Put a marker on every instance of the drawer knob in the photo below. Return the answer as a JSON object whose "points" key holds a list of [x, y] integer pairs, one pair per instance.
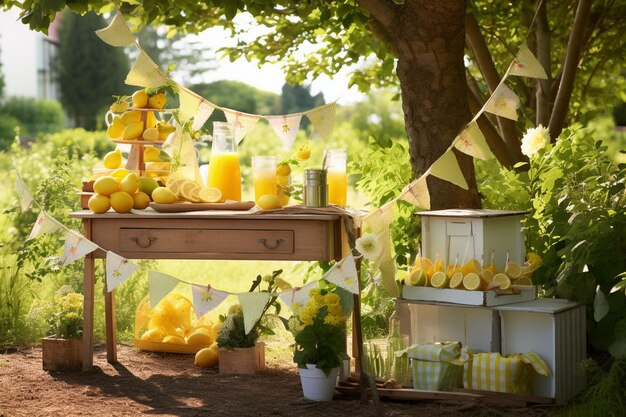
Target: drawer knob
{"points": [[151, 239], [266, 245]]}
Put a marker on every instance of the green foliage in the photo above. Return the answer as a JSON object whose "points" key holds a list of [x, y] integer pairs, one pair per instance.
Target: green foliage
{"points": [[9, 126], [35, 116], [63, 314], [90, 71], [82, 143]]}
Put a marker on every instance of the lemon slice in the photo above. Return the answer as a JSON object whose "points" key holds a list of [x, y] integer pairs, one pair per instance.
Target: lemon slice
{"points": [[175, 186], [523, 280], [417, 278], [472, 282], [502, 281], [194, 195], [457, 280], [513, 270], [439, 280], [210, 195], [187, 188], [487, 275], [423, 263], [473, 266]]}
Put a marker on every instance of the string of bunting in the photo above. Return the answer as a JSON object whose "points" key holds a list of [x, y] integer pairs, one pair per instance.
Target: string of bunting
{"points": [[145, 73]]}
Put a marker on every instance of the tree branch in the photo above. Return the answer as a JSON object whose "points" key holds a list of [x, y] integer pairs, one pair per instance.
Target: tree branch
{"points": [[572, 55], [544, 87], [379, 10]]}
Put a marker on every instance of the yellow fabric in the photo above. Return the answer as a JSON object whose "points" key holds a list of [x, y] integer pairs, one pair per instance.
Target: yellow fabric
{"points": [[526, 64], [436, 366], [447, 168], [323, 119], [472, 142], [189, 103], [381, 218], [417, 193], [117, 33], [503, 102], [145, 73]]}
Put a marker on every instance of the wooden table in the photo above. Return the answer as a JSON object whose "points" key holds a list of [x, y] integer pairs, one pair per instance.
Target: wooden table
{"points": [[202, 235]]}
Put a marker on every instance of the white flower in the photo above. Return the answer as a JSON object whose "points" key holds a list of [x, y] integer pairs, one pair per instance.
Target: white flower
{"points": [[369, 246], [534, 140]]}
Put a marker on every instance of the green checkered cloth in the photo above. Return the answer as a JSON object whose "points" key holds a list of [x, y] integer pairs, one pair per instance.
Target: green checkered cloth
{"points": [[437, 366]]}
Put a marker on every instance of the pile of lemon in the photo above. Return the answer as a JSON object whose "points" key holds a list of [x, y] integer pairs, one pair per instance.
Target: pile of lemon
{"points": [[472, 276], [122, 191]]}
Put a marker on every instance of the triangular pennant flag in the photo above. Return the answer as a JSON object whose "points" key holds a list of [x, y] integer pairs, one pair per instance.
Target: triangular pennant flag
{"points": [[388, 276], [380, 219], [472, 142], [26, 199], [76, 246], [117, 33], [189, 103], [298, 295], [44, 224], [252, 305], [526, 64], [344, 274], [206, 298], [145, 73], [447, 168], [159, 285], [323, 119], [417, 193], [384, 240], [503, 102], [286, 127], [241, 123], [205, 109], [118, 270]]}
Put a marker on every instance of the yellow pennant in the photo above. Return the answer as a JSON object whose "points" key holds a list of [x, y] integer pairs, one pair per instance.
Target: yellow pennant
{"points": [[388, 276], [242, 123], [205, 109], [189, 103], [26, 199], [76, 246], [344, 274], [118, 270], [297, 295], [323, 119], [117, 33], [472, 142], [417, 193], [159, 285], [503, 102], [526, 64], [252, 305], [145, 73], [44, 224], [447, 168], [380, 219], [206, 299]]}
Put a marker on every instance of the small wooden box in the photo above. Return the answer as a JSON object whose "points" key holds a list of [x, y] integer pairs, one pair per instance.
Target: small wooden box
{"points": [[61, 354], [245, 361]]}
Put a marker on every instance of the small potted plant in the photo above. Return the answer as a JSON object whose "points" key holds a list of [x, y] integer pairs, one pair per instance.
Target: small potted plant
{"points": [[242, 353], [62, 349], [319, 329]]}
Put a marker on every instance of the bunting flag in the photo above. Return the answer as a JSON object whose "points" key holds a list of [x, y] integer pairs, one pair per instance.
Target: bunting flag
{"points": [[380, 219], [189, 103], [323, 119], [344, 274], [384, 240], [206, 298], [286, 127], [388, 276], [252, 305], [297, 295], [503, 102], [44, 224], [145, 73], [242, 123], [526, 64], [117, 33], [447, 168], [26, 199], [471, 141], [205, 109], [417, 193], [159, 285], [118, 270], [76, 246]]}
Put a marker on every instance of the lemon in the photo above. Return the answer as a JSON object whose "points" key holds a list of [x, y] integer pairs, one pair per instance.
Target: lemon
{"points": [[502, 281], [147, 185], [473, 266], [215, 347], [456, 281], [513, 270], [151, 121], [140, 200], [283, 169], [418, 278], [130, 183], [120, 173], [206, 358], [453, 269], [150, 134], [423, 263], [210, 195], [439, 266], [120, 106], [162, 195], [116, 128], [200, 337], [151, 154], [303, 154], [157, 101], [492, 268], [122, 202], [153, 335], [439, 280], [99, 203], [112, 159], [106, 185], [174, 339], [165, 129], [283, 196], [140, 99], [487, 276], [282, 180], [133, 131], [472, 282], [523, 280], [130, 117], [269, 202]]}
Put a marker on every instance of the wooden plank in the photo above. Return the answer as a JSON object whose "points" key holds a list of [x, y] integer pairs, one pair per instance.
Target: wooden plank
{"points": [[527, 398], [411, 394], [183, 207], [88, 304], [214, 215], [110, 327]]}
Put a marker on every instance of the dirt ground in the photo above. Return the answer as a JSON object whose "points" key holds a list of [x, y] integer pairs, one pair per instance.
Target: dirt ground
{"points": [[170, 385]]}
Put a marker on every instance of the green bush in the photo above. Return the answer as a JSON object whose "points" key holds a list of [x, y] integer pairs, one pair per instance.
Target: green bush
{"points": [[81, 142], [36, 116], [8, 126]]}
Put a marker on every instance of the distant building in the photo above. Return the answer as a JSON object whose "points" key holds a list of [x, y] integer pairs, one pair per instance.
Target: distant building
{"points": [[27, 58]]}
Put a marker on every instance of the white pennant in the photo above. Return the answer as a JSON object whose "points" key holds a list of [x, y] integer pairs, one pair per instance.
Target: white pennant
{"points": [[323, 119], [117, 33], [44, 224], [503, 102], [26, 199], [206, 299], [189, 103], [447, 168], [145, 73], [344, 274], [252, 305], [526, 64], [118, 270], [417, 193], [380, 219], [388, 276], [159, 285], [471, 141], [384, 240], [286, 127], [205, 109], [76, 246], [241, 123], [298, 295]]}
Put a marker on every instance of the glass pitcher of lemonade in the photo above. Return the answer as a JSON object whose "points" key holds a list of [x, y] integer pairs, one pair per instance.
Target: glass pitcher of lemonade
{"points": [[335, 163], [224, 172]]}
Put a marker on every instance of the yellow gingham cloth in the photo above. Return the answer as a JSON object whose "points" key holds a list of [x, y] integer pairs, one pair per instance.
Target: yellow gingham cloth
{"points": [[493, 372], [436, 366]]}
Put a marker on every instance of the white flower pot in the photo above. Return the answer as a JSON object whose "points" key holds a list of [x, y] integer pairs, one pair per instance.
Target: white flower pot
{"points": [[316, 385]]}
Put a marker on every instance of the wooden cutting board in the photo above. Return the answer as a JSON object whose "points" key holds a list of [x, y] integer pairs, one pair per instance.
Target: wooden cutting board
{"points": [[188, 206]]}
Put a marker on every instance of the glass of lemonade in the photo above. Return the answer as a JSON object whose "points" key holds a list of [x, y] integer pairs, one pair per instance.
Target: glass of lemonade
{"points": [[263, 176], [335, 163]]}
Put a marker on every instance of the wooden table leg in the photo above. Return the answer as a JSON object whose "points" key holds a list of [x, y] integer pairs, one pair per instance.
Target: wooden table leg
{"points": [[109, 314], [88, 314]]}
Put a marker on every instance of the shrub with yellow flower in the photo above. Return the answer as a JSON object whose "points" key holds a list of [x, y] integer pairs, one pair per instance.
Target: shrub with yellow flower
{"points": [[63, 314]]}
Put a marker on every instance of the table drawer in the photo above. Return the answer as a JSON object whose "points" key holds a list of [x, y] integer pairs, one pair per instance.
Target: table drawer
{"points": [[213, 241]]}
